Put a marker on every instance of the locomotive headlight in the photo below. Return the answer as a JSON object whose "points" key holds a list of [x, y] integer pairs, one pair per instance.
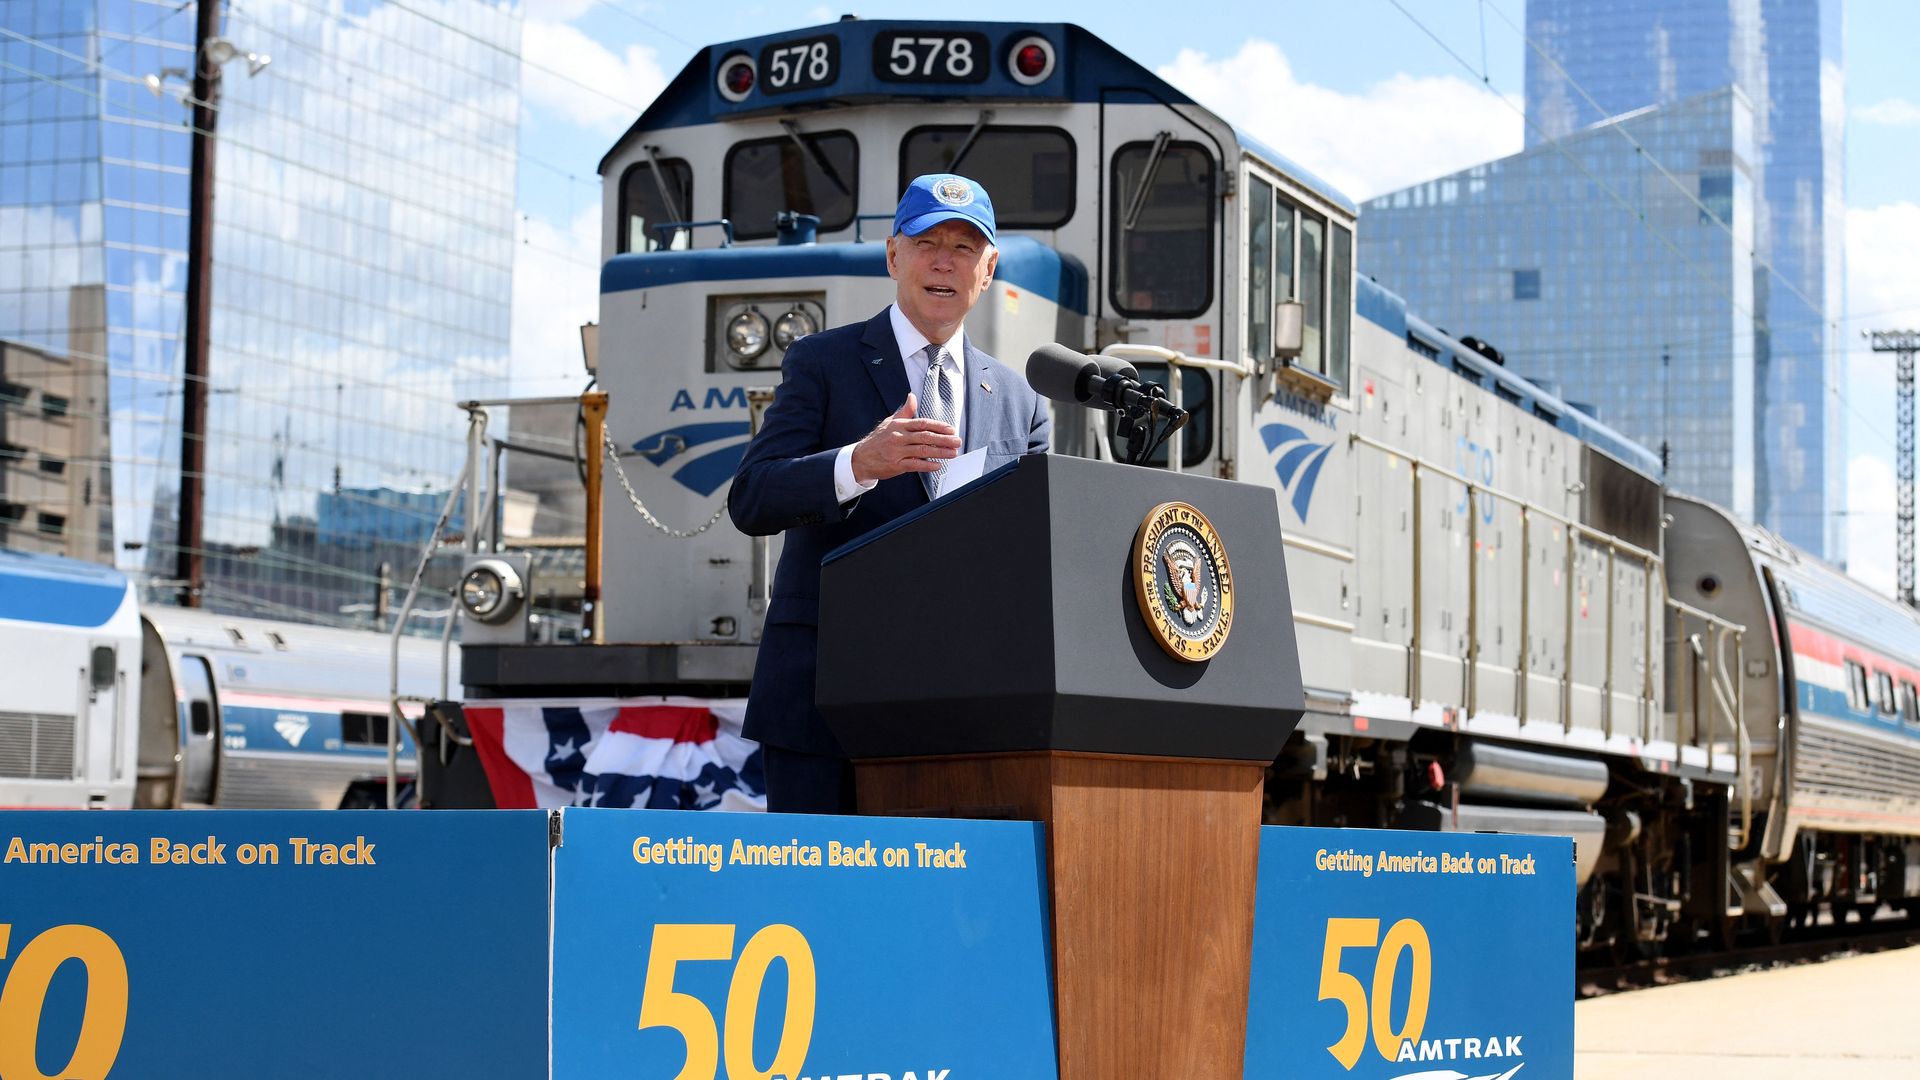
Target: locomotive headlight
{"points": [[747, 334], [791, 327], [491, 591]]}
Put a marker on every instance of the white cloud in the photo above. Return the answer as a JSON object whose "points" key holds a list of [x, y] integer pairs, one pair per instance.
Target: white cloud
{"points": [[556, 288], [1883, 292], [1399, 131], [1870, 522], [1893, 112], [621, 85], [1883, 277]]}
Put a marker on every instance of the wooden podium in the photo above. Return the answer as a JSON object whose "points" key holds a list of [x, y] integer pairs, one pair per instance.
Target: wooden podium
{"points": [[1039, 691]]}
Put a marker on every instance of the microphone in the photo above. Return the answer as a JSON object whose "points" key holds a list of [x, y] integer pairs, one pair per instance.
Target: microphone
{"points": [[1098, 382]]}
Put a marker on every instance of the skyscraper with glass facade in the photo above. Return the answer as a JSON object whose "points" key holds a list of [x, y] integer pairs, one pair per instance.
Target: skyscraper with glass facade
{"points": [[1542, 255], [1589, 61], [363, 246]]}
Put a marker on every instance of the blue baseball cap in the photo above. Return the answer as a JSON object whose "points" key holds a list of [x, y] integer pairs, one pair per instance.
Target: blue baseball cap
{"points": [[938, 197]]}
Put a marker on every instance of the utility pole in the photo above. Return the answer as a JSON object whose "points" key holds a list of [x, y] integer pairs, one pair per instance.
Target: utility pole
{"points": [[188, 564], [1903, 343]]}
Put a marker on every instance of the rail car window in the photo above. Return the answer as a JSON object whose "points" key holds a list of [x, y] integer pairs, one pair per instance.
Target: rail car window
{"points": [[1909, 703], [1259, 269], [1028, 170], [1859, 698], [811, 173], [1196, 393], [649, 198], [1161, 261], [1885, 698], [363, 729], [1313, 233], [1339, 306], [1293, 254]]}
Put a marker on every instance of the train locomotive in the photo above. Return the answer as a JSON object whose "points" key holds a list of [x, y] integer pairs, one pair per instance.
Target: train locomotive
{"points": [[1505, 619]]}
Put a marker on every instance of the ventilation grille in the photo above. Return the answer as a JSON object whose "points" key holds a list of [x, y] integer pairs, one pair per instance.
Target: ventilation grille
{"points": [[36, 746], [1828, 763]]}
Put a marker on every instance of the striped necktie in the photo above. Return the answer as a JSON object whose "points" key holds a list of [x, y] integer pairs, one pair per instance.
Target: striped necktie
{"points": [[936, 403]]}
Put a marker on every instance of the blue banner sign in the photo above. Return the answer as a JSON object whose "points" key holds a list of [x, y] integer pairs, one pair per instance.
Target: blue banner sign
{"points": [[279, 943], [690, 946], [1383, 955]]}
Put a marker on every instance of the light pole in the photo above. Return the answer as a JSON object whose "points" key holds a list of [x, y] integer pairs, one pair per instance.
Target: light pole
{"points": [[211, 52]]}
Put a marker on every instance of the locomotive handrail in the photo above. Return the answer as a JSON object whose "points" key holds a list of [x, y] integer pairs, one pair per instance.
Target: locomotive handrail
{"points": [[665, 227], [1615, 546], [468, 482], [1339, 554], [1176, 440], [477, 425], [859, 236], [1722, 702]]}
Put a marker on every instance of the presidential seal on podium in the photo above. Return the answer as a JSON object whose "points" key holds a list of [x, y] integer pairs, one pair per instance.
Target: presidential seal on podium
{"points": [[1183, 581]]}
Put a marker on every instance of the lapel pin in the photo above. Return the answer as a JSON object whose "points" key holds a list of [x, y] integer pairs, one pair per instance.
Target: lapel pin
{"points": [[875, 361], [987, 388]]}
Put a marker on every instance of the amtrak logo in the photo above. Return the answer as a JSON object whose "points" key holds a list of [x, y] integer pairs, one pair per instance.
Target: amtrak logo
{"points": [[712, 451], [292, 727], [1450, 1074], [953, 191], [1299, 463]]}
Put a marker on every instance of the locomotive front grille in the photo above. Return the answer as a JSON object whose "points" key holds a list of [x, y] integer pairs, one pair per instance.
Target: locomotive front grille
{"points": [[36, 746]]}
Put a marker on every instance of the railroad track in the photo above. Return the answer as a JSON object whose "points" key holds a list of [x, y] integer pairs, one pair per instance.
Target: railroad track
{"points": [[1818, 944]]}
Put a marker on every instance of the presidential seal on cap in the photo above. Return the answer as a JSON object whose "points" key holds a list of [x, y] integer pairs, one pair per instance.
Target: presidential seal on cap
{"points": [[1183, 582], [938, 197]]}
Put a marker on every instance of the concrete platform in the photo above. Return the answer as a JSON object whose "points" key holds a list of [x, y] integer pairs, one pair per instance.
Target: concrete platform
{"points": [[1836, 1020]]}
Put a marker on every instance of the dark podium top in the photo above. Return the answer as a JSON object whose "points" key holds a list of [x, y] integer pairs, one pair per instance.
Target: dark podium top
{"points": [[1003, 619]]}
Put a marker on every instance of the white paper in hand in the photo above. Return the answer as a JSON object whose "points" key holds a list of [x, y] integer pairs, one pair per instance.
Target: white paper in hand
{"points": [[962, 471]]}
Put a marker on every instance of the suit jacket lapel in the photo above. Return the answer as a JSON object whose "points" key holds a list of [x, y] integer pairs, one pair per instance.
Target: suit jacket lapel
{"points": [[883, 363], [889, 373], [980, 426]]}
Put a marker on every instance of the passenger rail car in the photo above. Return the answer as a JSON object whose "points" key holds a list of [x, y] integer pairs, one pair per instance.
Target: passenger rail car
{"points": [[1480, 569], [102, 706], [1831, 713], [273, 715]]}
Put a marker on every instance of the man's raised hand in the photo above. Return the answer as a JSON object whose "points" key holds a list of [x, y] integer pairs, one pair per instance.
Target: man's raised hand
{"points": [[904, 443]]}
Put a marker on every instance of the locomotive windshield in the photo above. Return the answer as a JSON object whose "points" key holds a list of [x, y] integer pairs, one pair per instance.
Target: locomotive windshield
{"points": [[804, 172], [652, 194], [1029, 170], [1162, 224]]}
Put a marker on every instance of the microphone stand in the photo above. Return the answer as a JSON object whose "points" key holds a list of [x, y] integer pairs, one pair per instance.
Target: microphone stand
{"points": [[1145, 419]]}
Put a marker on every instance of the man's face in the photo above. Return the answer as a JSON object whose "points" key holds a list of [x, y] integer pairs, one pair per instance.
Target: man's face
{"points": [[940, 273]]}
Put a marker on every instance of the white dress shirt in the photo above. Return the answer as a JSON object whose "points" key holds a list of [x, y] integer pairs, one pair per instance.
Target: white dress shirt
{"points": [[911, 342]]}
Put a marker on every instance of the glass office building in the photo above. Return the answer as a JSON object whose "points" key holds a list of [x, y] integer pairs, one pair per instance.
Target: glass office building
{"points": [[1646, 327], [363, 247], [1589, 61]]}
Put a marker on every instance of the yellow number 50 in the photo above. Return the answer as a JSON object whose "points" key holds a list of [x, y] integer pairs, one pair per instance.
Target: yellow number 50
{"points": [[103, 1024], [1406, 935], [663, 1006]]}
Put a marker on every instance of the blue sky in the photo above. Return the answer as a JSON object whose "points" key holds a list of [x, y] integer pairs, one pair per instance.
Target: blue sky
{"points": [[1355, 91]]}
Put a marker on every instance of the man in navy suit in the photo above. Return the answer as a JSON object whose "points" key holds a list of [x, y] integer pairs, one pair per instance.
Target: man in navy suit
{"points": [[864, 421]]}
